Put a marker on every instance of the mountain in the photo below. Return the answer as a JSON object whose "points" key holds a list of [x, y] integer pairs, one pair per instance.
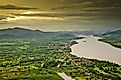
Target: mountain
{"points": [[113, 32], [9, 6], [113, 35], [113, 38], [20, 33]]}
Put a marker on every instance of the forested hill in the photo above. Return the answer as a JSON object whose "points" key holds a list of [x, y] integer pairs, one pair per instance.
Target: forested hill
{"points": [[113, 38], [113, 35], [20, 33]]}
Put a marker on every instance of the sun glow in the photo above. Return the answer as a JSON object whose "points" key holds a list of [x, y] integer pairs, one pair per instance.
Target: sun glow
{"points": [[33, 18]]}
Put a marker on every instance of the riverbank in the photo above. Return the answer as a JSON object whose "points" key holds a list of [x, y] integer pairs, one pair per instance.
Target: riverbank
{"points": [[91, 48], [42, 60], [115, 44]]}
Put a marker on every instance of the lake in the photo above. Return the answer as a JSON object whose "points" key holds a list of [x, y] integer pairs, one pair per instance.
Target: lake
{"points": [[90, 47]]}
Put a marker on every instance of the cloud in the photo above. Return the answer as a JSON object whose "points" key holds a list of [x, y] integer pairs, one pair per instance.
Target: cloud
{"points": [[9, 6], [66, 5], [67, 14], [81, 5], [99, 5]]}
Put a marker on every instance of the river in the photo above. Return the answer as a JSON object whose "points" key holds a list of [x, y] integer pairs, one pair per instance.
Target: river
{"points": [[90, 47]]}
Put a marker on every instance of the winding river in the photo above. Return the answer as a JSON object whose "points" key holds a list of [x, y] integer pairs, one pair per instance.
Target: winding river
{"points": [[90, 47]]}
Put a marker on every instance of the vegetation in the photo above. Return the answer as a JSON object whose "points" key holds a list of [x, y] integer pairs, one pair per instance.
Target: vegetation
{"points": [[79, 38], [42, 59], [113, 38]]}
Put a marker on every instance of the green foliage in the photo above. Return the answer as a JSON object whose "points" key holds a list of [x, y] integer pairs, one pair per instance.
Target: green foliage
{"points": [[42, 59], [113, 38]]}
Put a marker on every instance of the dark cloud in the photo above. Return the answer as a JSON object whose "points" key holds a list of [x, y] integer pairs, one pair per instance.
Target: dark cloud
{"points": [[68, 5], [64, 3], [76, 14], [92, 5]]}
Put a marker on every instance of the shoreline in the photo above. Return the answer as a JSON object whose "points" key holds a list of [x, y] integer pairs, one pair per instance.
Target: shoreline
{"points": [[103, 40], [93, 58]]}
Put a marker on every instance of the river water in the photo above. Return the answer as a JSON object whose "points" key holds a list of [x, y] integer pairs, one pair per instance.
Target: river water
{"points": [[90, 47]]}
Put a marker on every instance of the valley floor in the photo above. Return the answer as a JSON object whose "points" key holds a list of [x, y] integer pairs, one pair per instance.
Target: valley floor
{"points": [[42, 60]]}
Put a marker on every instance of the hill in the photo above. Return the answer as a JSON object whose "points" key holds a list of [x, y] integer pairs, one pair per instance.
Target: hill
{"points": [[113, 38], [113, 35], [20, 33]]}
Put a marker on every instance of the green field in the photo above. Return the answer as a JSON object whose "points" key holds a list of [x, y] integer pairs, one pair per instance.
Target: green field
{"points": [[41, 60]]}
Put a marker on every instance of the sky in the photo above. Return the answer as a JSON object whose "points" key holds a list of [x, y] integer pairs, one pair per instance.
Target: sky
{"points": [[64, 14]]}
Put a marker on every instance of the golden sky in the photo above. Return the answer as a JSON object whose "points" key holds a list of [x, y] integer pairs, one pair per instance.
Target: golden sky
{"points": [[68, 14], [61, 4]]}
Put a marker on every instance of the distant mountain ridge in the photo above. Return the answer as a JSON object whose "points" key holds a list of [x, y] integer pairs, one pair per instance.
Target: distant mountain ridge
{"points": [[112, 35], [21, 33], [112, 32]]}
